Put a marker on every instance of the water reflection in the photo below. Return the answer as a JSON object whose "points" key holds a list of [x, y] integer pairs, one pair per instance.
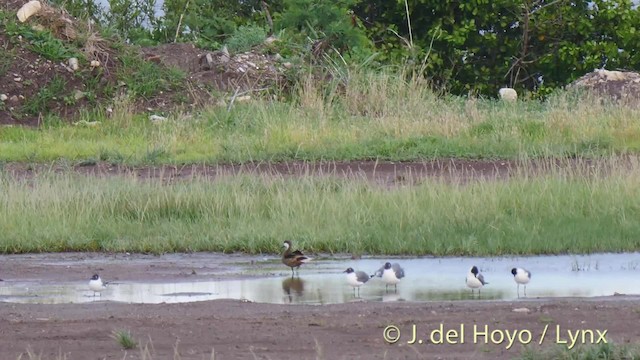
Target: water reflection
{"points": [[295, 285], [324, 282]]}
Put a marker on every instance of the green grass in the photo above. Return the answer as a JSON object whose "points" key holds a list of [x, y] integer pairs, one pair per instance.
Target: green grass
{"points": [[593, 352], [374, 116], [560, 212], [124, 339]]}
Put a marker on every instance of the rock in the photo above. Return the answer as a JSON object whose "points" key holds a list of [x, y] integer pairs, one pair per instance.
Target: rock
{"points": [[508, 94], [243, 98], [616, 85], [3, 97], [157, 119], [17, 79], [521, 310], [206, 62], [73, 64], [270, 40], [29, 9], [287, 65], [14, 99], [78, 95], [95, 63]]}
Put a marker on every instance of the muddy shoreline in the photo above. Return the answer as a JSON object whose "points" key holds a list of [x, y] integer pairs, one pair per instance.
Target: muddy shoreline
{"points": [[235, 329]]}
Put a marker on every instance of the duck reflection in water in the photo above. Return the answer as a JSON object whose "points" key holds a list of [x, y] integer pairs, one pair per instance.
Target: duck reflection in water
{"points": [[293, 285]]}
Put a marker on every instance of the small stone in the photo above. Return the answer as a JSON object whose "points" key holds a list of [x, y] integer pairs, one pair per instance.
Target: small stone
{"points": [[78, 95], [95, 63], [157, 119], [13, 99], [277, 57], [243, 98], [521, 310], [271, 39], [17, 79], [287, 65], [73, 64], [3, 97]]}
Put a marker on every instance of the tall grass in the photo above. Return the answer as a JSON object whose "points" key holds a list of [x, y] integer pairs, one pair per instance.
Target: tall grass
{"points": [[560, 211], [358, 115]]}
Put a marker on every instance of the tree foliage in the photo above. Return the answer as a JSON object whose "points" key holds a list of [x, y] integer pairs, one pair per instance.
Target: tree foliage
{"points": [[481, 45], [473, 46]]}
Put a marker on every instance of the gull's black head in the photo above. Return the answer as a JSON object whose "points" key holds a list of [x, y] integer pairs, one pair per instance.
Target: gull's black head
{"points": [[514, 271], [474, 270], [387, 266], [349, 270], [95, 277]]}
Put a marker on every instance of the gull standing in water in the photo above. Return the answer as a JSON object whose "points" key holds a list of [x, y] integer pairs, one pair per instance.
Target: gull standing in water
{"points": [[356, 279], [521, 277], [97, 285], [390, 274], [475, 280]]}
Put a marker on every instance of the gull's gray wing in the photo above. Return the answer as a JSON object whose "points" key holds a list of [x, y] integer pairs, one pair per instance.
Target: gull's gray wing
{"points": [[362, 276], [398, 270], [481, 278]]}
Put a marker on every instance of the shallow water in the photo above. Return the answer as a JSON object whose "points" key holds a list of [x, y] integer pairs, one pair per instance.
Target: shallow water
{"points": [[322, 282]]}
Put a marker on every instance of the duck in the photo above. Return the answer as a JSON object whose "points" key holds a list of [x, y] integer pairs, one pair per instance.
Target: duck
{"points": [[521, 277], [356, 279], [475, 280], [390, 274], [293, 259], [97, 285]]}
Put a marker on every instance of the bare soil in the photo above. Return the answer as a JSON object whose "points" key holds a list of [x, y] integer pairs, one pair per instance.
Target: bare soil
{"points": [[386, 173], [242, 330]]}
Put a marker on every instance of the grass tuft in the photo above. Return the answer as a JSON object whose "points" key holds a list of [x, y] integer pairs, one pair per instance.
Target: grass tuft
{"points": [[124, 339]]}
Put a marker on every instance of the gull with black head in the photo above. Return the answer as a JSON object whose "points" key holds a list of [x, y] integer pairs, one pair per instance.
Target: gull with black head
{"points": [[521, 277], [390, 274], [475, 280], [97, 285], [356, 279]]}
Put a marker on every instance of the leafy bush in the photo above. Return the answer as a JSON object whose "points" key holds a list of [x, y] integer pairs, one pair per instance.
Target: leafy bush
{"points": [[245, 38]]}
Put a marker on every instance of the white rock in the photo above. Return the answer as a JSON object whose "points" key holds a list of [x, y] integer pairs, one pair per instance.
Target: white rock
{"points": [[508, 94], [521, 310], [28, 9], [270, 39], [17, 79], [95, 63], [157, 119], [3, 97], [73, 64], [287, 65]]}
